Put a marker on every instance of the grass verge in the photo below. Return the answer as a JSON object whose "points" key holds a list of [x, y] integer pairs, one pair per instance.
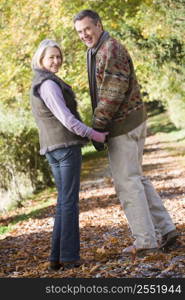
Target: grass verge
{"points": [[33, 207]]}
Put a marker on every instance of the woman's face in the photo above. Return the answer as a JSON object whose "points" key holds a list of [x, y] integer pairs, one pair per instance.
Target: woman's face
{"points": [[52, 59]]}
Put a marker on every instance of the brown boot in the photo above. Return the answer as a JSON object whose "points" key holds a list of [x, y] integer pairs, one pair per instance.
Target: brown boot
{"points": [[169, 239], [140, 252]]}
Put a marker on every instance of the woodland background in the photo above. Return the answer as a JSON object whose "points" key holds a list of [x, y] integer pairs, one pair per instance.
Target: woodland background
{"points": [[152, 30], [154, 33]]}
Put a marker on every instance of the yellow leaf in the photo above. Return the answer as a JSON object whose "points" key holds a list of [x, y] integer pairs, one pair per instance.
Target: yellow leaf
{"points": [[94, 268], [113, 240], [101, 250]]}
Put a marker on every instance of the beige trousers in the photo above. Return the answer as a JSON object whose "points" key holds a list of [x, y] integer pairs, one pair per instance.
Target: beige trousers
{"points": [[142, 205]]}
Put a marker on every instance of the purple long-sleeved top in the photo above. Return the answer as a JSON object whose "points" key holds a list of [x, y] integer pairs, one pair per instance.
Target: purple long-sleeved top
{"points": [[52, 95]]}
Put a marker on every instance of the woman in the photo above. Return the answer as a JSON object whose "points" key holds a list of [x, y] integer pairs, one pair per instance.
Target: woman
{"points": [[61, 136]]}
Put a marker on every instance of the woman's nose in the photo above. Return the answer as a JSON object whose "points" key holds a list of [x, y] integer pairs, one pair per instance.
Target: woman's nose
{"points": [[55, 60]]}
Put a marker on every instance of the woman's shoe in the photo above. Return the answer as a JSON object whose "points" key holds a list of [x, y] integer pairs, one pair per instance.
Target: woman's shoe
{"points": [[72, 264], [54, 266]]}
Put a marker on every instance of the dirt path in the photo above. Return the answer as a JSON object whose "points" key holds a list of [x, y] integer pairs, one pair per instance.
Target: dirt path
{"points": [[104, 229], [165, 169]]}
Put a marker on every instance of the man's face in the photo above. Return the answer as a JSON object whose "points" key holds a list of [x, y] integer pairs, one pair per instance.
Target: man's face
{"points": [[89, 32]]}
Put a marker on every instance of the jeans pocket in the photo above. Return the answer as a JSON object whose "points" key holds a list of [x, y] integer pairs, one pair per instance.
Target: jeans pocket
{"points": [[57, 155], [62, 154]]}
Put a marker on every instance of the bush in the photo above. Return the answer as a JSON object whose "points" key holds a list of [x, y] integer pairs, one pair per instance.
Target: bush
{"points": [[176, 109], [20, 162]]}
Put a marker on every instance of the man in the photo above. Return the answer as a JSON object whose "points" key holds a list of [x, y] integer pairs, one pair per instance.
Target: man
{"points": [[118, 108]]}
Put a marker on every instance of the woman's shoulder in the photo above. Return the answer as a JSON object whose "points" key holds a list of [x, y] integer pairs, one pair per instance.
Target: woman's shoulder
{"points": [[50, 83]]}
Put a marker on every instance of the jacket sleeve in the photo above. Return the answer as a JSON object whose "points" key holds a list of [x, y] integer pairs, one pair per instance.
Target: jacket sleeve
{"points": [[112, 77]]}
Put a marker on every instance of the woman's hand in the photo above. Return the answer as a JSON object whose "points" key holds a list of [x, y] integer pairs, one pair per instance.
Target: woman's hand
{"points": [[98, 136]]}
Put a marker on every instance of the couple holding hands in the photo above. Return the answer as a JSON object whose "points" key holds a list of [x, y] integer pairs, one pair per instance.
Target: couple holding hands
{"points": [[119, 121]]}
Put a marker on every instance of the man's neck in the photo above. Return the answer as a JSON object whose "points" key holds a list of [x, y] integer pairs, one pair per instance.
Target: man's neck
{"points": [[98, 40]]}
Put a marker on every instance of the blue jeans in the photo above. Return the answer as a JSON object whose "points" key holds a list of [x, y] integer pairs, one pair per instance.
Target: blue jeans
{"points": [[66, 165]]}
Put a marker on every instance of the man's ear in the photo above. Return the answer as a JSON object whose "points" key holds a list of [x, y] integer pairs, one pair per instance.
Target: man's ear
{"points": [[99, 25]]}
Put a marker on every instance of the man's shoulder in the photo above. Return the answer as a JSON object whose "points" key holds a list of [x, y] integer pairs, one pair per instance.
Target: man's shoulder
{"points": [[112, 44]]}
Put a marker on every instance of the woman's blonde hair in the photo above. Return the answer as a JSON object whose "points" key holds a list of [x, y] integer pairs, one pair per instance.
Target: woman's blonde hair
{"points": [[40, 52]]}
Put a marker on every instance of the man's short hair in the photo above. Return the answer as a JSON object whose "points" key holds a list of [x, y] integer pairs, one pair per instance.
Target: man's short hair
{"points": [[87, 13]]}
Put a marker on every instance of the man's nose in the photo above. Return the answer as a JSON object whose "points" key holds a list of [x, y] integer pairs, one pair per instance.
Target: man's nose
{"points": [[84, 34]]}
